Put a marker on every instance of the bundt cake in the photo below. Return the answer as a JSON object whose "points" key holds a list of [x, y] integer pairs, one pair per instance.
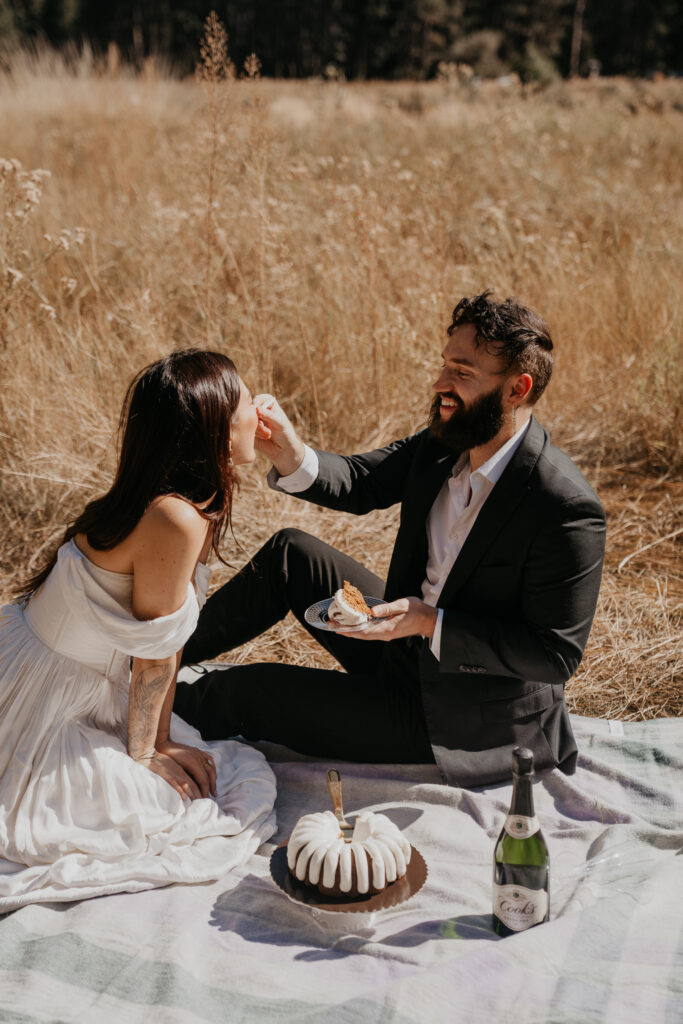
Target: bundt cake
{"points": [[320, 854]]}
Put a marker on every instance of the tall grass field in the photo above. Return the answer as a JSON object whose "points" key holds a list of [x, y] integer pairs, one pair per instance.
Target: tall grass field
{"points": [[320, 233]]}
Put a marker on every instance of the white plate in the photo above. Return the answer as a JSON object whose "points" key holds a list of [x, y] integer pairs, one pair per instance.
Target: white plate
{"points": [[316, 616]]}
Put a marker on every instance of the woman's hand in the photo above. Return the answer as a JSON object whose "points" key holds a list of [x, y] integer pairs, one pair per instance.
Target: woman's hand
{"points": [[171, 772], [197, 764], [276, 437]]}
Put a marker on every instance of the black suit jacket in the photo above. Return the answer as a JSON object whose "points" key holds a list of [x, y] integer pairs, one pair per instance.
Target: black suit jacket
{"points": [[518, 603]]}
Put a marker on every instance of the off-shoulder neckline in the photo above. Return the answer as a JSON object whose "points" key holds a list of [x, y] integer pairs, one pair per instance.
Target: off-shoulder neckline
{"points": [[111, 572], [100, 568]]}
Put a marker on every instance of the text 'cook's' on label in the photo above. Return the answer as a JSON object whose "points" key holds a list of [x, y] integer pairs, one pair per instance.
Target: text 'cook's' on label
{"points": [[519, 827], [519, 908]]}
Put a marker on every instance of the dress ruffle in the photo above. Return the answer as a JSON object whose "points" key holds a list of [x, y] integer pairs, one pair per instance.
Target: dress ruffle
{"points": [[102, 611], [79, 817]]}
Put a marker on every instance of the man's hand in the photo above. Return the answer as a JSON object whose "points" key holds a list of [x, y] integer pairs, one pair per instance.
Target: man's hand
{"points": [[276, 437], [409, 616]]}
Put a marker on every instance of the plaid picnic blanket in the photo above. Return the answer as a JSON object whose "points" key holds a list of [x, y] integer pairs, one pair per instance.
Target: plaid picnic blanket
{"points": [[241, 950]]}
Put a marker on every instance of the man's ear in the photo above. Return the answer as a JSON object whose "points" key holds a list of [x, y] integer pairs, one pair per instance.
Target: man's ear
{"points": [[520, 388]]}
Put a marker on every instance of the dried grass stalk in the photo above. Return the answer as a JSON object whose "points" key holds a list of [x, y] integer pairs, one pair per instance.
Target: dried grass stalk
{"points": [[321, 234]]}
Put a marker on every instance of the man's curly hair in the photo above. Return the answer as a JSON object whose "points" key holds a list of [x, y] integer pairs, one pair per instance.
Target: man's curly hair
{"points": [[512, 332]]}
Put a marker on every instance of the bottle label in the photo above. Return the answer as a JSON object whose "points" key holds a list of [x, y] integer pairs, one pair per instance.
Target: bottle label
{"points": [[519, 908], [519, 827]]}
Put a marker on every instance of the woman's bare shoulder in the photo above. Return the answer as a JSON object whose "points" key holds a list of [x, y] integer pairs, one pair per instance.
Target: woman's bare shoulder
{"points": [[169, 518], [166, 545], [169, 508]]}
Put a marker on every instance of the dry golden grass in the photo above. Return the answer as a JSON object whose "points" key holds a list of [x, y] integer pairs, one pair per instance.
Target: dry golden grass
{"points": [[321, 234]]}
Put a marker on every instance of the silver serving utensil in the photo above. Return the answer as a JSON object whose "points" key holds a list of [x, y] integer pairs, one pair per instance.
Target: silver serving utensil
{"points": [[335, 786]]}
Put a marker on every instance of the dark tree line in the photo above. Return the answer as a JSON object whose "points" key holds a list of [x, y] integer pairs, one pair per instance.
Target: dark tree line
{"points": [[373, 38]]}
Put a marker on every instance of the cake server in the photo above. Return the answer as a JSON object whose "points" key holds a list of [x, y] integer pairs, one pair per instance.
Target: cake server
{"points": [[335, 786]]}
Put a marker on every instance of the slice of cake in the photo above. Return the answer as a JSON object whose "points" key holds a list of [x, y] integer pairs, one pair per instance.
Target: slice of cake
{"points": [[348, 607], [375, 856]]}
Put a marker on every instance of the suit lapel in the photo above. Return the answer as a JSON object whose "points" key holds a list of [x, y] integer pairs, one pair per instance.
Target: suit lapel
{"points": [[496, 510], [407, 569], [431, 484]]}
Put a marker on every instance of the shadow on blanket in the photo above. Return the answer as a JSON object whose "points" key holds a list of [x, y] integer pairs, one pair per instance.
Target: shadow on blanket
{"points": [[257, 913]]}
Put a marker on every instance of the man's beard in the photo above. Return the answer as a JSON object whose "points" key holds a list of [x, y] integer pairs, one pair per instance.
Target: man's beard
{"points": [[468, 426]]}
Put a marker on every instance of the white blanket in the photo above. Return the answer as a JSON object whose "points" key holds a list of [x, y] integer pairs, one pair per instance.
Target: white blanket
{"points": [[240, 950]]}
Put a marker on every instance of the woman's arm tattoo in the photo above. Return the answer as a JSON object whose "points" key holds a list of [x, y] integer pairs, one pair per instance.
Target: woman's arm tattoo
{"points": [[148, 688]]}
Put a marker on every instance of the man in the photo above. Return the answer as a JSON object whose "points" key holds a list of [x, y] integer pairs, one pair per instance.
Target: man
{"points": [[490, 594]]}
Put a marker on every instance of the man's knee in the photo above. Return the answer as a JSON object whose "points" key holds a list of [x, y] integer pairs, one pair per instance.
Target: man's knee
{"points": [[292, 545], [305, 567], [292, 537]]}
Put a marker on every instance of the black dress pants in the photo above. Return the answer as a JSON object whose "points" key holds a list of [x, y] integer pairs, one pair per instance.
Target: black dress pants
{"points": [[370, 713]]}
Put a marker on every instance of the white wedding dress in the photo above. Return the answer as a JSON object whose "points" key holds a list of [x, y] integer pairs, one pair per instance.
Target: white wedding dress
{"points": [[79, 817]]}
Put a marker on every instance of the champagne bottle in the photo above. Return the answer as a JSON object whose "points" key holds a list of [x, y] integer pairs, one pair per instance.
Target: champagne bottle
{"points": [[521, 867]]}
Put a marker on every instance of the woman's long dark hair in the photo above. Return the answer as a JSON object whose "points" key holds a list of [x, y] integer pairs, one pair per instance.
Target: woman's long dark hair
{"points": [[174, 435]]}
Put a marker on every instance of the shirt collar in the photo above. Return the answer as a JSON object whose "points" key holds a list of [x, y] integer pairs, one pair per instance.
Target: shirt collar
{"points": [[493, 468]]}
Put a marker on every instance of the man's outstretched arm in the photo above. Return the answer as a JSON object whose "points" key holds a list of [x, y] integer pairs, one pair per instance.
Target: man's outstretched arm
{"points": [[347, 483]]}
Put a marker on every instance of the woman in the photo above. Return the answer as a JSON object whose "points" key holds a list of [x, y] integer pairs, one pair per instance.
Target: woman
{"points": [[100, 791]]}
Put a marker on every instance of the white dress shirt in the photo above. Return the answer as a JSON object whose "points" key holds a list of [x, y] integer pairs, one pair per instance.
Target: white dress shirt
{"points": [[450, 518], [303, 477]]}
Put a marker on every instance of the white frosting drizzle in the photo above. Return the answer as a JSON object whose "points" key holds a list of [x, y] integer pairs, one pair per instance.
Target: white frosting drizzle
{"points": [[316, 849]]}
